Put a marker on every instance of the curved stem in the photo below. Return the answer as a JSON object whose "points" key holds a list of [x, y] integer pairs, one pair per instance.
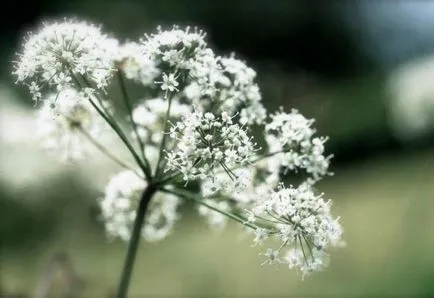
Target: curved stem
{"points": [[134, 241]]}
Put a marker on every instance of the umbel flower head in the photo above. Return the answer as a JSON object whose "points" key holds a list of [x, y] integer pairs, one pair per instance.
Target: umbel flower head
{"points": [[149, 116], [190, 134], [59, 50], [302, 222], [119, 205], [136, 64], [211, 83], [66, 121], [206, 143], [291, 137]]}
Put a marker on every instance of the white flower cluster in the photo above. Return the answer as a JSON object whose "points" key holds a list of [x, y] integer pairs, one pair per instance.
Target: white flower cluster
{"points": [[136, 64], [59, 50], [149, 116], [194, 122], [243, 91], [207, 143], [291, 137], [250, 184], [302, 222], [66, 120], [229, 86], [119, 205], [210, 82]]}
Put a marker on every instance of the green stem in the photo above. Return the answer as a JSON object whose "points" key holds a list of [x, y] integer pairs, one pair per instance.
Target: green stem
{"points": [[106, 152], [166, 179], [130, 115], [116, 128], [190, 196], [124, 139], [163, 140], [268, 155], [134, 241]]}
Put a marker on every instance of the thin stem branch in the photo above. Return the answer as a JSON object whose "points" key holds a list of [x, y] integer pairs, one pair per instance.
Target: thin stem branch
{"points": [[163, 140], [168, 178], [113, 124], [129, 107], [106, 152], [134, 241], [267, 155], [190, 196], [124, 139]]}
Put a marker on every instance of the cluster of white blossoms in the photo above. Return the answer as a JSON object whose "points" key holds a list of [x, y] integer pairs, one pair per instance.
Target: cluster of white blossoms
{"points": [[136, 64], [149, 116], [248, 185], [62, 52], [209, 82], [301, 221], [119, 206], [65, 122], [207, 144], [190, 135], [291, 136]]}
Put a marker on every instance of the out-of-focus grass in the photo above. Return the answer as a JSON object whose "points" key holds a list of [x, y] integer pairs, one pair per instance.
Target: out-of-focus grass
{"points": [[386, 207]]}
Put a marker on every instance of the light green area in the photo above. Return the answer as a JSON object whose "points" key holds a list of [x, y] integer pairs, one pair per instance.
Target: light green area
{"points": [[386, 207]]}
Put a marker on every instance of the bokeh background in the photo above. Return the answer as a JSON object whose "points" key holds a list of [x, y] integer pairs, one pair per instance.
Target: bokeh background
{"points": [[363, 69]]}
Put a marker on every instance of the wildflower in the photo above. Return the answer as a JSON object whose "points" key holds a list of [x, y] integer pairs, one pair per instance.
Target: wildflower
{"points": [[302, 222], [272, 257], [260, 236], [66, 121], [221, 182], [119, 205], [176, 52], [149, 115], [194, 123], [175, 47], [243, 91], [35, 91], [248, 184], [290, 136], [136, 65], [230, 83], [296, 259], [206, 142], [169, 82], [60, 50]]}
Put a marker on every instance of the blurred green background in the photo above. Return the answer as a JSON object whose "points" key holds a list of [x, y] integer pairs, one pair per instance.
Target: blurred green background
{"points": [[363, 71]]}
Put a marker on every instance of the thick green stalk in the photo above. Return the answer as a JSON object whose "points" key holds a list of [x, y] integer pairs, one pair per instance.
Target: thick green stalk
{"points": [[134, 241]]}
